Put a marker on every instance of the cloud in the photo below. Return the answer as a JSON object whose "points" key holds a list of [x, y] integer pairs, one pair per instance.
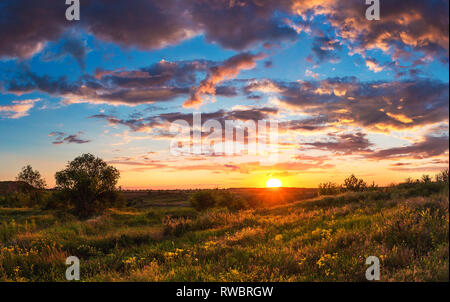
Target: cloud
{"points": [[377, 106], [251, 22], [71, 44], [17, 109], [227, 70], [419, 25], [373, 65], [317, 123], [61, 138], [431, 146], [325, 48], [344, 143], [161, 121], [414, 24], [159, 82], [28, 25], [312, 74]]}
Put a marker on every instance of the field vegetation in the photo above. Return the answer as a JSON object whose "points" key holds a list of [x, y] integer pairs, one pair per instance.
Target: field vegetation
{"points": [[229, 235]]}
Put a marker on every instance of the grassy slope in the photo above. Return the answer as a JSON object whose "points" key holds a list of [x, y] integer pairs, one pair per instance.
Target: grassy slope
{"points": [[325, 239]]}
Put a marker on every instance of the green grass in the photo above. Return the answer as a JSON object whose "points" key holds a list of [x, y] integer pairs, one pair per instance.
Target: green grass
{"points": [[321, 239]]}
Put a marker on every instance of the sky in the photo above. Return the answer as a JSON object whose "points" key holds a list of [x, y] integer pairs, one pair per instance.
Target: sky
{"points": [[350, 95]]}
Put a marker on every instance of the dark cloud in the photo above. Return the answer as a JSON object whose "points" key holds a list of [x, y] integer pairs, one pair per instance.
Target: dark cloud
{"points": [[26, 25], [240, 24], [380, 106], [307, 124], [148, 123], [326, 48], [72, 45], [344, 143], [61, 138], [429, 147], [160, 82], [413, 24]]}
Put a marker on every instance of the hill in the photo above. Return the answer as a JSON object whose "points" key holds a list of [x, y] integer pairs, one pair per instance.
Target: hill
{"points": [[14, 186]]}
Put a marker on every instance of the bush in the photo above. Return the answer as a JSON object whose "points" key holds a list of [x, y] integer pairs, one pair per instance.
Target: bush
{"points": [[442, 177], [202, 200], [329, 188], [354, 184], [230, 201]]}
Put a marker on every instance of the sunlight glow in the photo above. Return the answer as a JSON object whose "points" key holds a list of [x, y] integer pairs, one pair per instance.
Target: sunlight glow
{"points": [[273, 183]]}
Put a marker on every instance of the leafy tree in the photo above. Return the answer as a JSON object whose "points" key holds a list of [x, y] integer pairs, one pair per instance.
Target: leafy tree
{"points": [[31, 177], [352, 183], [89, 184]]}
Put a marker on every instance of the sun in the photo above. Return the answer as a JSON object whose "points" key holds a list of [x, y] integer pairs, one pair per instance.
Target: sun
{"points": [[273, 183]]}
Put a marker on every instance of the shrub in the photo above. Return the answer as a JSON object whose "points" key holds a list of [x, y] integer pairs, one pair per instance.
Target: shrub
{"points": [[442, 177], [202, 200], [230, 201], [426, 179], [352, 183], [329, 188]]}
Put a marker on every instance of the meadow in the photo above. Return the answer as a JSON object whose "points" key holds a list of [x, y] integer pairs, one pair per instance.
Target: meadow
{"points": [[158, 236]]}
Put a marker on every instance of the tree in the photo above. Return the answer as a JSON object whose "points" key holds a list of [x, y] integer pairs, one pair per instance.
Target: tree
{"points": [[31, 177], [352, 183], [89, 184]]}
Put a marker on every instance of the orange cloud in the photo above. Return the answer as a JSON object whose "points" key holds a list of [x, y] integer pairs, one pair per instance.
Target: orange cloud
{"points": [[228, 70], [17, 109]]}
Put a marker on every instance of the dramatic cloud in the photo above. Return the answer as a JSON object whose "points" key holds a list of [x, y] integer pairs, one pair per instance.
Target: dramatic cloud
{"points": [[160, 82], [61, 138], [344, 143], [239, 24], [229, 69], [72, 45], [325, 48], [429, 147], [379, 106], [416, 24], [28, 25], [148, 124], [17, 109]]}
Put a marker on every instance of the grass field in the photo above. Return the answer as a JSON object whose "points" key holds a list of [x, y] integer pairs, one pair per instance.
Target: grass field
{"points": [[319, 239]]}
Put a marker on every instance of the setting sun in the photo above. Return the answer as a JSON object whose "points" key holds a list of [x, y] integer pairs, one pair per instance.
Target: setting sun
{"points": [[273, 183]]}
